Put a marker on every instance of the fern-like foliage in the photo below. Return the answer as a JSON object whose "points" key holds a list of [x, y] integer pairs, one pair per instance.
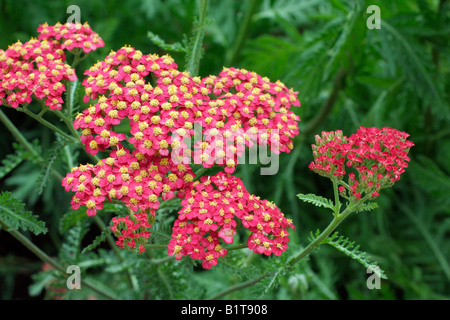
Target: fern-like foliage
{"points": [[270, 283], [48, 165], [174, 47], [350, 249], [291, 10], [71, 96], [316, 200], [367, 207], [71, 218], [71, 247], [194, 46], [97, 241], [14, 215], [10, 162], [413, 60]]}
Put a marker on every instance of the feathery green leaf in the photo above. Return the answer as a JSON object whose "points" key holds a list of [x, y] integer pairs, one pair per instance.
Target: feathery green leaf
{"points": [[174, 47], [316, 200], [351, 250], [14, 215]]}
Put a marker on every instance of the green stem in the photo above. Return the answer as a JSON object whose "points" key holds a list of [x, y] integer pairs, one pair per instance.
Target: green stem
{"points": [[317, 241], [200, 172], [237, 247], [48, 124], [337, 203], [241, 35], [68, 124], [23, 141], [338, 218], [17, 134], [116, 249], [68, 153], [193, 64], [239, 287], [76, 58], [44, 257]]}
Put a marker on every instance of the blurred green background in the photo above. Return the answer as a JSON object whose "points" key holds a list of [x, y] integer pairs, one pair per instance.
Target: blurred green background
{"points": [[347, 75]]}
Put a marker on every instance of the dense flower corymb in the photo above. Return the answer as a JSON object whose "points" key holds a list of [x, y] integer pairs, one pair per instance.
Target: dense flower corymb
{"points": [[137, 181], [34, 68], [132, 231], [72, 35], [235, 110], [38, 68], [375, 158], [161, 117], [149, 159], [211, 212]]}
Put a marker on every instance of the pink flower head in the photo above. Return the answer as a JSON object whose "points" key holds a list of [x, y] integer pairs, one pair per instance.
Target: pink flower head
{"points": [[148, 161], [209, 215], [377, 156], [34, 69], [132, 231], [72, 35], [162, 115], [37, 68]]}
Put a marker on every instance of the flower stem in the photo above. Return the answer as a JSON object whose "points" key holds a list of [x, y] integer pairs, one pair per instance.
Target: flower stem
{"points": [[116, 250], [68, 124], [338, 218], [238, 287], [76, 58], [237, 247], [23, 141], [233, 54], [337, 203], [317, 241], [17, 134], [48, 125], [44, 257], [193, 64]]}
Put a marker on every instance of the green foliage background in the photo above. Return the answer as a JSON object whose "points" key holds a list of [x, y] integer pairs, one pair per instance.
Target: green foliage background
{"points": [[347, 75]]}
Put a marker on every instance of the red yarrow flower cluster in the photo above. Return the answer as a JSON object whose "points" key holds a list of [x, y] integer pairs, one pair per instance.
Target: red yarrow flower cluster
{"points": [[37, 68], [260, 108], [72, 35], [208, 218], [34, 68], [156, 108], [132, 231], [138, 181], [162, 114], [377, 157]]}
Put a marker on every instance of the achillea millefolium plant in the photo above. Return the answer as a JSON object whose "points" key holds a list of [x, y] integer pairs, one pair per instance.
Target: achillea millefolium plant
{"points": [[156, 135]]}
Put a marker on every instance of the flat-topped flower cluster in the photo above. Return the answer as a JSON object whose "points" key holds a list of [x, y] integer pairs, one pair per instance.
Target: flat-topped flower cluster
{"points": [[212, 210], [162, 106], [38, 68], [373, 158], [144, 115], [151, 158], [132, 231]]}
